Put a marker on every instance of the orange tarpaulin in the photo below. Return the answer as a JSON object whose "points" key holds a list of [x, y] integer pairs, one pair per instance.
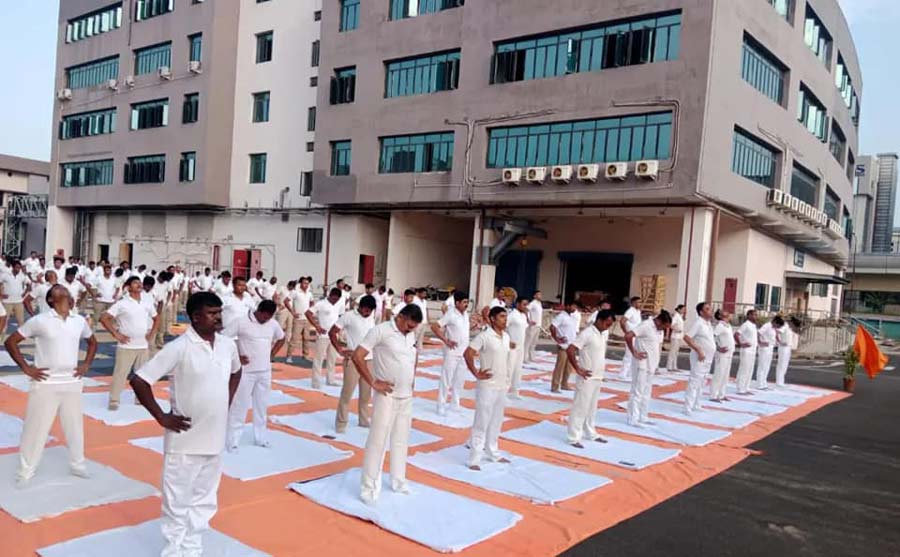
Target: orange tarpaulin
{"points": [[870, 356]]}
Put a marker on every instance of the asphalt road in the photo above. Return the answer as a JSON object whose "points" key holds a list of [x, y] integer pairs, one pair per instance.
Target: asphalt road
{"points": [[828, 484]]}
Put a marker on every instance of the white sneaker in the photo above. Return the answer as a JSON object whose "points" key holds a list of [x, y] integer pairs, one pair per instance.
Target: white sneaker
{"points": [[368, 499]]}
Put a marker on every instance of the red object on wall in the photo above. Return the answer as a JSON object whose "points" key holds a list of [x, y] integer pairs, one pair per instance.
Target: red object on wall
{"points": [[366, 269], [730, 296], [240, 263], [255, 262]]}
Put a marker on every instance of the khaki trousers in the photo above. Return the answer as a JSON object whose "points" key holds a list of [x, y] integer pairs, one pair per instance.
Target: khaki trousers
{"points": [[17, 310], [160, 339], [562, 371], [351, 379], [301, 335], [285, 320], [127, 360], [99, 309]]}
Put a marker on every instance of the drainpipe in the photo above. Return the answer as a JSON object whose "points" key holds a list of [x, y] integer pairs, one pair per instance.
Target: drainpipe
{"points": [[713, 248]]}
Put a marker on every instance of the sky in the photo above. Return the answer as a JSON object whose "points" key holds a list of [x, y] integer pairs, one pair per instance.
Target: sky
{"points": [[26, 99]]}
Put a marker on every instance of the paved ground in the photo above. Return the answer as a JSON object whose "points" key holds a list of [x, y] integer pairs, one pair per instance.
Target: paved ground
{"points": [[828, 484]]}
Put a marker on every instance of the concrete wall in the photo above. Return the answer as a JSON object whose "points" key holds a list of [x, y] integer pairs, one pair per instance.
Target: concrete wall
{"points": [[426, 248], [352, 236]]}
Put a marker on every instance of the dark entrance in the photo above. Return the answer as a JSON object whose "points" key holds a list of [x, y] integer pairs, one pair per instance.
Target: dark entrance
{"points": [[519, 269], [590, 272]]}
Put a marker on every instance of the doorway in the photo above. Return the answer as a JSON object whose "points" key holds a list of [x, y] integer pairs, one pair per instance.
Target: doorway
{"points": [[730, 296], [609, 273], [240, 263], [519, 269], [103, 250], [126, 250]]}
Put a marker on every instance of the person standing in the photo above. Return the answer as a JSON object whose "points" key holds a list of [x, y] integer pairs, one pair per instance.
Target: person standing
{"points": [[420, 301], [588, 356], [104, 293], [453, 330], [746, 338], [223, 286], [676, 338], [259, 338], [322, 317], [254, 284], [205, 281], [724, 337], [204, 372], [535, 321], [563, 330], [238, 304], [283, 315], [355, 324], [15, 286], [393, 348], [75, 287], [516, 325], [38, 294], [768, 338], [644, 343], [786, 339], [628, 322], [56, 382], [701, 340], [298, 302]]}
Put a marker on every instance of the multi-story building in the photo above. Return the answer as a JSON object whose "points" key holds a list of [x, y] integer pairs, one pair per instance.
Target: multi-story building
{"points": [[865, 189], [185, 135], [23, 204], [885, 201], [588, 146]]}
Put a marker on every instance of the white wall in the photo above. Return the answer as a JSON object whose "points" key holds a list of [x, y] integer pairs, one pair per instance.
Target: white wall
{"points": [[428, 249], [352, 236]]}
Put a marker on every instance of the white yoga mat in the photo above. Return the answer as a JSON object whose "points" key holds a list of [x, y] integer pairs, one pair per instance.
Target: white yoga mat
{"points": [[426, 410], [541, 387], [657, 381], [707, 416], [619, 452], [534, 480], [143, 540], [732, 404], [799, 390], [771, 396], [96, 405], [529, 403], [440, 520], [21, 382], [278, 398], [11, 431], [663, 430], [423, 384], [430, 371], [286, 454], [6, 360], [321, 423], [54, 491]]}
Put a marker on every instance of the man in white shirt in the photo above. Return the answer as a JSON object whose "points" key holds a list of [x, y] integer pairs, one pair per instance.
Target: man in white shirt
{"points": [[643, 341], [322, 316], [535, 321], [76, 289], [393, 348], [15, 285], [768, 339], [563, 331], [408, 297], [785, 338], [133, 324], [259, 338], [355, 324], [254, 284], [56, 382], [629, 322], [588, 356], [492, 347], [38, 294], [104, 292], [283, 315], [453, 330], [238, 304], [164, 294], [223, 286], [516, 324], [298, 302], [746, 337], [204, 372], [420, 301], [447, 304], [676, 338], [267, 288], [205, 281], [701, 340], [724, 336]]}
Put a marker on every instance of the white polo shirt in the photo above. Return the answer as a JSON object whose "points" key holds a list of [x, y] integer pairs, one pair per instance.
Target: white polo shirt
{"points": [[493, 354], [134, 320], [253, 284], [456, 327], [327, 313], [399, 307], [147, 299], [39, 294], [198, 389], [14, 287], [423, 305], [591, 345], [344, 302], [565, 327], [497, 303], [221, 289], [267, 289], [204, 282], [355, 328], [748, 335], [701, 332], [75, 288], [255, 340], [393, 357], [536, 312], [301, 301], [677, 326], [56, 342], [767, 334], [724, 336], [647, 339], [632, 318], [233, 308], [516, 323], [106, 289]]}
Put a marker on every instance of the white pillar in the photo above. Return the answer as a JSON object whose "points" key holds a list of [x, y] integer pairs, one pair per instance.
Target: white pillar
{"points": [[693, 267], [481, 281], [60, 231]]}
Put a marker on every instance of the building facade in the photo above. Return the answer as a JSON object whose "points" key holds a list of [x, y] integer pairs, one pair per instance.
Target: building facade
{"points": [[24, 184], [681, 148], [865, 190], [885, 201]]}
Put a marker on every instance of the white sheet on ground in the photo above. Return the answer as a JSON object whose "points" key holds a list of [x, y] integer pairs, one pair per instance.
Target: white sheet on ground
{"points": [[437, 519], [96, 405], [627, 454], [6, 360], [771, 396], [707, 416], [528, 403], [11, 431], [321, 423], [733, 404], [423, 384], [426, 410], [277, 398], [543, 388], [534, 480], [286, 453], [142, 540], [54, 491], [430, 371], [658, 381], [21, 382], [662, 430]]}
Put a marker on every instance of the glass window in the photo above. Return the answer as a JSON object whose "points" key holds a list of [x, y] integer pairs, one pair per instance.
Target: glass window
{"points": [[762, 70], [799, 258], [775, 299], [86, 124], [832, 204], [343, 86], [845, 85], [349, 15], [762, 295], [784, 8], [805, 186], [187, 169], [190, 110], [261, 106], [152, 58], [310, 146], [817, 37], [94, 23], [811, 113], [195, 44], [150, 169], [837, 143], [311, 119], [264, 47], [92, 73], [753, 159], [309, 240], [86, 173], [402, 9], [422, 74], [314, 81], [151, 114], [317, 15], [432, 152], [258, 168], [316, 48], [851, 168], [145, 9], [340, 158], [847, 223]]}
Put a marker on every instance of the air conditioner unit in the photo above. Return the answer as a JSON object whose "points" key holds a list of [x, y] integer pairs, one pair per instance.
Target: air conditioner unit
{"points": [[165, 72], [195, 67], [588, 172], [616, 171], [64, 94], [112, 84], [129, 81], [561, 174], [536, 174], [775, 198], [512, 176], [648, 170]]}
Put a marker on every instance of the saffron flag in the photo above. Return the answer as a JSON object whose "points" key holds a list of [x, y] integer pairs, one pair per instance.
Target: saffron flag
{"points": [[870, 356]]}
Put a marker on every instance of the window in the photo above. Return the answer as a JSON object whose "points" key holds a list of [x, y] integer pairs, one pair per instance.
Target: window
{"points": [[818, 290], [845, 85], [762, 295], [340, 158], [258, 168], [190, 110], [317, 15], [311, 119], [314, 81], [150, 59], [762, 70], [847, 223], [94, 23], [402, 9], [261, 106], [343, 86], [309, 240], [631, 138], [264, 47], [86, 124], [316, 48], [784, 8], [832, 202], [145, 9], [851, 165], [423, 74], [306, 184], [349, 15], [609, 45], [195, 45], [86, 173], [775, 299], [837, 143], [753, 159], [92, 73], [799, 258], [805, 186], [811, 113], [817, 37], [152, 114], [417, 153], [187, 168], [310, 146], [149, 169]]}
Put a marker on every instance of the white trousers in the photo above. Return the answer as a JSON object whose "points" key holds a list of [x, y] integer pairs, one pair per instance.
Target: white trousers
{"points": [[672, 359], [784, 359], [532, 335], [584, 409], [190, 486], [420, 334], [628, 365], [391, 419], [453, 377], [516, 360], [720, 375], [324, 352], [45, 400], [490, 404], [253, 390], [699, 371], [641, 391], [763, 365], [745, 369]]}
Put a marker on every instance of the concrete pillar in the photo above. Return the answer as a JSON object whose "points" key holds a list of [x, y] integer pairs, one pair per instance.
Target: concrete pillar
{"points": [[60, 230], [398, 253], [481, 282], [693, 267]]}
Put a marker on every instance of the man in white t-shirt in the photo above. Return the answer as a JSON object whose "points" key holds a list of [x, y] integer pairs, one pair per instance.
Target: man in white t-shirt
{"points": [[408, 296], [492, 347], [164, 293], [588, 356], [254, 283], [322, 316], [785, 339], [298, 302], [768, 340], [355, 325], [746, 338], [676, 338], [393, 348], [535, 321], [259, 338], [283, 315], [724, 336], [104, 292], [56, 382], [644, 343], [267, 288], [15, 285], [238, 303], [223, 285], [629, 322], [420, 301], [516, 325], [204, 372], [76, 289], [38, 295], [205, 281], [453, 330], [701, 340], [563, 330]]}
